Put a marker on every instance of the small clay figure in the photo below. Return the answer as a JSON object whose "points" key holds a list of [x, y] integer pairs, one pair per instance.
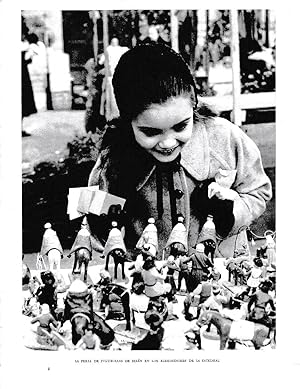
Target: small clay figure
{"points": [[197, 297], [178, 244], [255, 277], [255, 274], [149, 236], [137, 285], [217, 299], [193, 340], [46, 322], [154, 279], [270, 250], [46, 293], [89, 341], [184, 272], [200, 265], [105, 280], [116, 249], [147, 249], [258, 303], [208, 237], [82, 248], [51, 247], [78, 308], [155, 335]]}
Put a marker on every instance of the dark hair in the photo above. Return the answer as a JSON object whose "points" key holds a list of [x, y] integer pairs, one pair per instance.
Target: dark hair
{"points": [[90, 327], [150, 73], [47, 276], [149, 263], [258, 262], [153, 318], [177, 249]]}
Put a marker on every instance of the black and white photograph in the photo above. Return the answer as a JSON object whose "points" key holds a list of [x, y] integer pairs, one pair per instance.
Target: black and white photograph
{"points": [[148, 179], [148, 167]]}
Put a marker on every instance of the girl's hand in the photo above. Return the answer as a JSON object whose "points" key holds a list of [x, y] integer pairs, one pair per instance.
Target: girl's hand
{"points": [[221, 193]]}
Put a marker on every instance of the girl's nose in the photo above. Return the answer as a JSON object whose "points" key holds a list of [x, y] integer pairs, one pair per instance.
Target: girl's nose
{"points": [[167, 143]]}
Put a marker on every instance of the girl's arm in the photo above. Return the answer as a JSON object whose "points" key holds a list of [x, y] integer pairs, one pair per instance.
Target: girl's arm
{"points": [[239, 156], [252, 184]]}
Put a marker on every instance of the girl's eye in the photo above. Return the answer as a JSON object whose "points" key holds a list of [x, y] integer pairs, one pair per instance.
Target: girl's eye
{"points": [[150, 132], [180, 128]]}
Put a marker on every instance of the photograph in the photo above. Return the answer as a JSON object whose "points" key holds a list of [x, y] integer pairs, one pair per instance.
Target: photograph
{"points": [[148, 180]]}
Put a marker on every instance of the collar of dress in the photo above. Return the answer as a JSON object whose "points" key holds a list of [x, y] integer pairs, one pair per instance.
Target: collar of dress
{"points": [[194, 156]]}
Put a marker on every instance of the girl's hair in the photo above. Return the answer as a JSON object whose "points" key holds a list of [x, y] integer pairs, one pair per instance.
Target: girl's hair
{"points": [[147, 74], [150, 74]]}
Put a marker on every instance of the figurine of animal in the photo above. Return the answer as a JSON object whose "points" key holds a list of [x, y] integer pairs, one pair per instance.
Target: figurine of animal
{"points": [[240, 330], [82, 249], [119, 257], [81, 260]]}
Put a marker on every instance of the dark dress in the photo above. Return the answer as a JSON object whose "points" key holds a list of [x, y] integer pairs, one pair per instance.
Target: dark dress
{"points": [[28, 103]]}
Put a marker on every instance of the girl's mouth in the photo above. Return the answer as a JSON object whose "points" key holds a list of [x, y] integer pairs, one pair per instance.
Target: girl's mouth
{"points": [[167, 151]]}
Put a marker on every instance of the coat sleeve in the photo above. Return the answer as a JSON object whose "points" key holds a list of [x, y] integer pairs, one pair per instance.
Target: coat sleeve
{"points": [[251, 183], [235, 152]]}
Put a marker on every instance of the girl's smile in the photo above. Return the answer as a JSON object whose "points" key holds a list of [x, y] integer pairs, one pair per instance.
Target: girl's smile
{"points": [[163, 129]]}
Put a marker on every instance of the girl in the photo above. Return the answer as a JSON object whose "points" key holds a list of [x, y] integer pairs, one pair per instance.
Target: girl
{"points": [[165, 152]]}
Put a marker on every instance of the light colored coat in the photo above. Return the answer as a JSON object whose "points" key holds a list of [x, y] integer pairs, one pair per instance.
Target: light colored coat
{"points": [[216, 146]]}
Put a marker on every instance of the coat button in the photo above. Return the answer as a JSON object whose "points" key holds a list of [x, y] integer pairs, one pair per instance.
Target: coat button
{"points": [[178, 193]]}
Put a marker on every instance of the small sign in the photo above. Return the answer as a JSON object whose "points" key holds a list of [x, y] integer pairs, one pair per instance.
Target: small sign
{"points": [[91, 199]]}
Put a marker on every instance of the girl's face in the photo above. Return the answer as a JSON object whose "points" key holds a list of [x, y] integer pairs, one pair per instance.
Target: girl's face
{"points": [[163, 129]]}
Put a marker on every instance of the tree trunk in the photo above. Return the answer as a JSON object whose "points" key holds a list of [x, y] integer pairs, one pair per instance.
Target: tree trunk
{"points": [[95, 37], [236, 81], [174, 31], [206, 64], [267, 42]]}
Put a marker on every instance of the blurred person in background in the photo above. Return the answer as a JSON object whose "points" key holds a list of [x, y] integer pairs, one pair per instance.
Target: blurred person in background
{"points": [[27, 53]]}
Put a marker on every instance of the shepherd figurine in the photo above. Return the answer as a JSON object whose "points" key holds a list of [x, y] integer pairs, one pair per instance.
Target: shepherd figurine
{"points": [[51, 247], [82, 248]]}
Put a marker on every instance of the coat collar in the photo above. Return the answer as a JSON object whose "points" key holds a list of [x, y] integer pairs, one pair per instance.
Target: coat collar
{"points": [[194, 156]]}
